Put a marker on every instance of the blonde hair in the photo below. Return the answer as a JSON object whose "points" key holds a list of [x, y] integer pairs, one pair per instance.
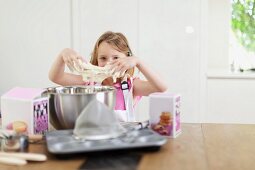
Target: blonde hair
{"points": [[118, 41]]}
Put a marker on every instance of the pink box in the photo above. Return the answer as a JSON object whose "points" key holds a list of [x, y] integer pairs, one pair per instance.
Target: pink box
{"points": [[24, 107], [164, 111]]}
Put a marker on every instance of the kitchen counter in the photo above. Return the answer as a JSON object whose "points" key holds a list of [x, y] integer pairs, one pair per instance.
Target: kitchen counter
{"points": [[200, 146]]}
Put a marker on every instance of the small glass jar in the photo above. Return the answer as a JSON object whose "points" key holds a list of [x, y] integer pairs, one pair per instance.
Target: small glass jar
{"points": [[15, 143]]}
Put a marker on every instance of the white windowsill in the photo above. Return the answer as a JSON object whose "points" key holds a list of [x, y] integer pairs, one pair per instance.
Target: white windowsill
{"points": [[227, 74]]}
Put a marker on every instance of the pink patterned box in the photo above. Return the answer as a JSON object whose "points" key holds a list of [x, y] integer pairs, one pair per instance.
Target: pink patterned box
{"points": [[164, 111], [24, 110]]}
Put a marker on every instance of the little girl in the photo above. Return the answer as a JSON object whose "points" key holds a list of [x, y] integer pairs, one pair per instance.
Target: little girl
{"points": [[112, 48]]}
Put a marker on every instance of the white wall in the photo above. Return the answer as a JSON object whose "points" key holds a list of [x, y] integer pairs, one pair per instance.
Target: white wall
{"points": [[31, 35], [180, 40], [230, 100], [166, 46], [98, 16], [219, 14]]}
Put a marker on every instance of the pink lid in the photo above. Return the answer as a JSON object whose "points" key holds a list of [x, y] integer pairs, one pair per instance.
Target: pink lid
{"points": [[23, 93]]}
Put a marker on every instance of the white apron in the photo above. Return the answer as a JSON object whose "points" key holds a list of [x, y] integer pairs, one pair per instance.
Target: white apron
{"points": [[128, 114]]}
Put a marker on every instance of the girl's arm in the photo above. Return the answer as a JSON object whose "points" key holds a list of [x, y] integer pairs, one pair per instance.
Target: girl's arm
{"points": [[141, 88], [57, 72], [153, 84]]}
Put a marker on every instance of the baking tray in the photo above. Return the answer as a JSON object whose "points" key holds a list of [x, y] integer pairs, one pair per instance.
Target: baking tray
{"points": [[63, 142]]}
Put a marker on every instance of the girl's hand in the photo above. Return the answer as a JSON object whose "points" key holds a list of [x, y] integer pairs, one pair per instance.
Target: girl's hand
{"points": [[70, 57], [122, 64]]}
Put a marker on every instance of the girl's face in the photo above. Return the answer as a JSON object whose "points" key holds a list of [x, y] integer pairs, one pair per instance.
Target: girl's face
{"points": [[106, 53]]}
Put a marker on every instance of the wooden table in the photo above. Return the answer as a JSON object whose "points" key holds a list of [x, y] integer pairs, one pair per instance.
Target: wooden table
{"points": [[200, 146]]}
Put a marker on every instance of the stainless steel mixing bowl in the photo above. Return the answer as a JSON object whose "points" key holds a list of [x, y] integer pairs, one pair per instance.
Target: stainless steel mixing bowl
{"points": [[67, 102]]}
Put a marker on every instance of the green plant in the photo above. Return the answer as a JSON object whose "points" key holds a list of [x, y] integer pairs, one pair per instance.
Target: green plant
{"points": [[243, 22]]}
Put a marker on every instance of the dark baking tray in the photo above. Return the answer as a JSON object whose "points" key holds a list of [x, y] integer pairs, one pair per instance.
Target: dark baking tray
{"points": [[63, 142]]}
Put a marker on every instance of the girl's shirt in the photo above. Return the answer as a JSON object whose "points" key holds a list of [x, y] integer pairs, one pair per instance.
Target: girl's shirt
{"points": [[120, 101]]}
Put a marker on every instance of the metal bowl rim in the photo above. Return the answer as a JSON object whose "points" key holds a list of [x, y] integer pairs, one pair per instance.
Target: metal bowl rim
{"points": [[48, 90]]}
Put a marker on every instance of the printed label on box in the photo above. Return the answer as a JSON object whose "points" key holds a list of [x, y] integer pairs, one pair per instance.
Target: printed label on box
{"points": [[165, 124], [177, 114], [41, 116], [164, 111]]}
